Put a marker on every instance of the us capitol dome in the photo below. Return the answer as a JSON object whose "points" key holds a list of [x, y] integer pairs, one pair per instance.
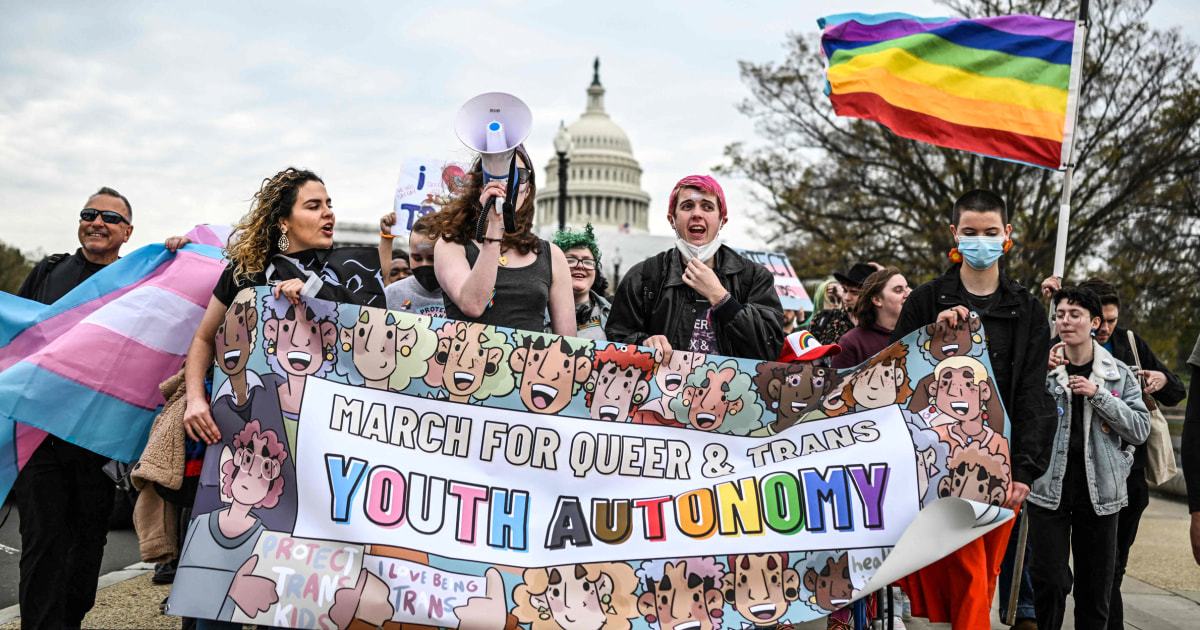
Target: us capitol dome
{"points": [[604, 188]]}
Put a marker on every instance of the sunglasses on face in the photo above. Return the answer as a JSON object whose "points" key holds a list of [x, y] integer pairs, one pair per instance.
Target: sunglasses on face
{"points": [[524, 176], [586, 263], [110, 217]]}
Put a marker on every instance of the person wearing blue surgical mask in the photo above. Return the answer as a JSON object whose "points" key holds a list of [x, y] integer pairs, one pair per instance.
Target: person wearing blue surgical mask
{"points": [[1018, 342]]}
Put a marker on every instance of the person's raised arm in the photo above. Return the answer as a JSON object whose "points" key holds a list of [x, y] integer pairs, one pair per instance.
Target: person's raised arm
{"points": [[562, 300], [197, 418], [471, 287], [385, 245]]}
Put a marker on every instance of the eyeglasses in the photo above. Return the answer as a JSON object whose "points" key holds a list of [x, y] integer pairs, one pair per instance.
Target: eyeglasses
{"points": [[244, 458], [1072, 318], [110, 217], [524, 176], [586, 263]]}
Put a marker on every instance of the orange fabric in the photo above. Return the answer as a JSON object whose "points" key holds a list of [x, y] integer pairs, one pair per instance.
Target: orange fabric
{"points": [[958, 588]]}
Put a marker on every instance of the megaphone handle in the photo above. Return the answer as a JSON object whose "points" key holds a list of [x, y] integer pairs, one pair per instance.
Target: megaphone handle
{"points": [[482, 221]]}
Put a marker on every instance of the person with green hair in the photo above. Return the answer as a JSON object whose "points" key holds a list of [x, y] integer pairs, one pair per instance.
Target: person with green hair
{"points": [[583, 259]]}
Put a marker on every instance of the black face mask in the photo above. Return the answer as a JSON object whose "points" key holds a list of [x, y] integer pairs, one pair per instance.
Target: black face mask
{"points": [[427, 278]]}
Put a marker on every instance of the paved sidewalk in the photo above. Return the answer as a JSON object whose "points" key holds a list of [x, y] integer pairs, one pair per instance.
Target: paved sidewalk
{"points": [[1162, 588]]}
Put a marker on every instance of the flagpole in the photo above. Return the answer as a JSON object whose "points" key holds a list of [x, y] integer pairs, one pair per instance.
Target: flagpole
{"points": [[1069, 129]]}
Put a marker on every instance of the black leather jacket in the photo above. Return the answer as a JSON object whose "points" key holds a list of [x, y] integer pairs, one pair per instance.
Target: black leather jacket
{"points": [[653, 300]]}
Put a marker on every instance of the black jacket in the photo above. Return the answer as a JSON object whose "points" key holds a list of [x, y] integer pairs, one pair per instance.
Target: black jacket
{"points": [[653, 300], [56, 275], [1030, 407]]}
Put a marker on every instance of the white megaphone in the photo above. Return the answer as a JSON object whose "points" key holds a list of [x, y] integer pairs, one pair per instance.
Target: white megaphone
{"points": [[494, 124]]}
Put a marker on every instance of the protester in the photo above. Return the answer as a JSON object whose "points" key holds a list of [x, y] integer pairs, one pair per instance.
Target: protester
{"points": [[288, 230], [1167, 389], [959, 588], [508, 279], [61, 493], [701, 296], [790, 319], [1190, 448], [829, 325], [399, 269], [827, 296], [419, 293], [1075, 503], [880, 300], [583, 259]]}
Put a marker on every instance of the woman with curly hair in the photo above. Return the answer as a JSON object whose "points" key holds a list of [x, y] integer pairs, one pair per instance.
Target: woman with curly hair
{"points": [[287, 232], [506, 279]]}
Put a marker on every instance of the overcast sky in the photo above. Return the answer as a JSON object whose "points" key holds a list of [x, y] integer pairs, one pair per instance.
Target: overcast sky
{"points": [[186, 108]]}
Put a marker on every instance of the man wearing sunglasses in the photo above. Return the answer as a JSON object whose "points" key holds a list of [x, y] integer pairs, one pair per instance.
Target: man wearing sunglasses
{"points": [[105, 224], [62, 494]]}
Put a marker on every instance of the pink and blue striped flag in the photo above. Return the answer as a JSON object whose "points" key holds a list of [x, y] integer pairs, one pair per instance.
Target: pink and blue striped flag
{"points": [[87, 368]]}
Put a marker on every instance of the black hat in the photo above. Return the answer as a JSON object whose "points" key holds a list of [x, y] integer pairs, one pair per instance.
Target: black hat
{"points": [[856, 276]]}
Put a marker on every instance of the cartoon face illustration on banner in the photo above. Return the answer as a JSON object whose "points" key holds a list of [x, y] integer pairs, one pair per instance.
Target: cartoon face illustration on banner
{"points": [[235, 342], [379, 344], [577, 597], [551, 369], [931, 453], [300, 342], [958, 390], [977, 474], [669, 378], [475, 363], [620, 381], [760, 587], [682, 593], [718, 398], [792, 390], [827, 580], [940, 341], [881, 382]]}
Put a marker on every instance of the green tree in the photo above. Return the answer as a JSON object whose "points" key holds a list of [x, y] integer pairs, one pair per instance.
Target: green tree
{"points": [[843, 189], [14, 266]]}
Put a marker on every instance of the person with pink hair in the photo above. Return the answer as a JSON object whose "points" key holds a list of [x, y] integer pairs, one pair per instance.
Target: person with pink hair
{"points": [[701, 296]]}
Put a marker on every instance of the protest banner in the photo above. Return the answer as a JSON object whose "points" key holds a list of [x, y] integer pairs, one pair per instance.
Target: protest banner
{"points": [[792, 295], [384, 468], [423, 185]]}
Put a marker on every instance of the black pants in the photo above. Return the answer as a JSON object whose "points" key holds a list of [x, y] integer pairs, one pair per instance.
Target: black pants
{"points": [[64, 500], [1127, 528], [1057, 535]]}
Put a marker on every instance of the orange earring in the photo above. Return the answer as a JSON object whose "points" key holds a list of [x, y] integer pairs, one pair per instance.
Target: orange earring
{"points": [[1007, 245], [955, 256]]}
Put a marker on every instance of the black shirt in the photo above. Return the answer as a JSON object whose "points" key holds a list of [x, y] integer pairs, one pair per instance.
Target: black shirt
{"points": [[48, 281], [1075, 479], [348, 274]]}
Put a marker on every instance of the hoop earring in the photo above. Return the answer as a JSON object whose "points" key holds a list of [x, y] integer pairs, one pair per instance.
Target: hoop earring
{"points": [[283, 239], [955, 256]]}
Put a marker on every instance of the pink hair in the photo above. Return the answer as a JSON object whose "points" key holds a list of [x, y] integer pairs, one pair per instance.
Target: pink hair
{"points": [[275, 449], [704, 184]]}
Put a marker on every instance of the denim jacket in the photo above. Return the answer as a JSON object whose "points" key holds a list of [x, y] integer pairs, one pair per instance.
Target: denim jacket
{"points": [[1116, 419]]}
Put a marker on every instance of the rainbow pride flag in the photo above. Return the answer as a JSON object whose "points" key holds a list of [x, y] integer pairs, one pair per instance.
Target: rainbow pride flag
{"points": [[1000, 87], [87, 368]]}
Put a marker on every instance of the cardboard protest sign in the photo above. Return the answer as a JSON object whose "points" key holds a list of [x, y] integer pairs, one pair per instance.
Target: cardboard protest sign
{"points": [[391, 469], [422, 186], [792, 295]]}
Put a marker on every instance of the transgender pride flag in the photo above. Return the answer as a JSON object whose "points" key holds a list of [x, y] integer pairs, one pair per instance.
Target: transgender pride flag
{"points": [[87, 368]]}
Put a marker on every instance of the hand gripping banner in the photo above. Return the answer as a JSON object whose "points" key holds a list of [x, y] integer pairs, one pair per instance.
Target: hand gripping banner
{"points": [[378, 469]]}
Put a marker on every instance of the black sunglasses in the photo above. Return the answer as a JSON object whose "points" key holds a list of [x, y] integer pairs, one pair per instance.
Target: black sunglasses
{"points": [[110, 217], [524, 176]]}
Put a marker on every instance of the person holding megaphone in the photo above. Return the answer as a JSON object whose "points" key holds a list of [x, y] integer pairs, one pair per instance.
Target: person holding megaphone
{"points": [[492, 268]]}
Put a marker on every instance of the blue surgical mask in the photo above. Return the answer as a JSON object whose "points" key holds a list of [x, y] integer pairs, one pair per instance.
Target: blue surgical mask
{"points": [[981, 252]]}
